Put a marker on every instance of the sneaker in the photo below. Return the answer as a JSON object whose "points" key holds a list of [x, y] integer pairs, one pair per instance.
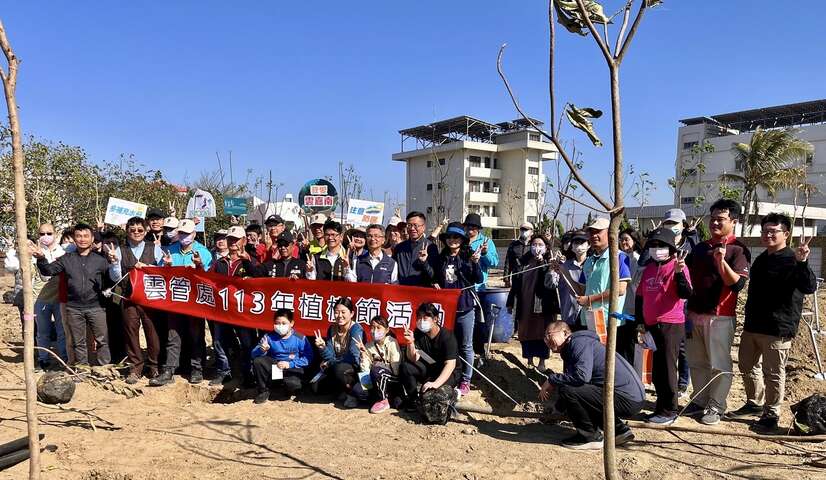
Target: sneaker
{"points": [[380, 407], [196, 377], [580, 442], [710, 417], [464, 388], [623, 437], [351, 402], [767, 423], [397, 403], [262, 397], [659, 419], [747, 410], [682, 392], [693, 409], [132, 379], [162, 379], [220, 379]]}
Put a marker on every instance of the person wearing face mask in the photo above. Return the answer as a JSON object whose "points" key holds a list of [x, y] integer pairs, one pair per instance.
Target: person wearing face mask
{"points": [[340, 353], [565, 277], [170, 231], [47, 313], [458, 267], [516, 250], [185, 252], [630, 244], [283, 349], [431, 357], [534, 304], [579, 387], [664, 286], [381, 358]]}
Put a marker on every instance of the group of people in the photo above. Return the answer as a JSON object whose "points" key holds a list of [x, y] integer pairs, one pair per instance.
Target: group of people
{"points": [[677, 295]]}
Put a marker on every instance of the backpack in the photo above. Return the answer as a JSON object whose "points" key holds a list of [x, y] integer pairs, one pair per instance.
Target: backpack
{"points": [[435, 405], [810, 415]]}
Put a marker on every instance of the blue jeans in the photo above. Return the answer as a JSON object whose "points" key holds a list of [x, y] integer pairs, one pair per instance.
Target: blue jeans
{"points": [[44, 312], [221, 360], [463, 330]]}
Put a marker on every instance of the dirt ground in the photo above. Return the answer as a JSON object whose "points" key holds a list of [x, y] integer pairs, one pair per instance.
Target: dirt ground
{"points": [[181, 432]]}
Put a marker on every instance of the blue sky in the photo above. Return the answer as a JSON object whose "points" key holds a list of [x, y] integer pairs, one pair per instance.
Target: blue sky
{"points": [[297, 87]]}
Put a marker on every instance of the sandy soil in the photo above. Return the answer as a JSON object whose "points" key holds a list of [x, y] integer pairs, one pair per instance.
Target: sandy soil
{"points": [[180, 432]]}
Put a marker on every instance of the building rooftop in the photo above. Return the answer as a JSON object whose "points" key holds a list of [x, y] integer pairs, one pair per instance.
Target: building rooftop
{"points": [[793, 114], [460, 128]]}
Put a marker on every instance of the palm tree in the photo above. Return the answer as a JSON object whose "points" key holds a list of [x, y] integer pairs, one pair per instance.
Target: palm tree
{"points": [[773, 160]]}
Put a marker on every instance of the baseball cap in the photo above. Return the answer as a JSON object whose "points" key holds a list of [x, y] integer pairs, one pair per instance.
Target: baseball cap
{"points": [[599, 223], [186, 226], [154, 213], [578, 235], [220, 233], [675, 215], [273, 220], [236, 231], [170, 222], [526, 226], [286, 238], [318, 219]]}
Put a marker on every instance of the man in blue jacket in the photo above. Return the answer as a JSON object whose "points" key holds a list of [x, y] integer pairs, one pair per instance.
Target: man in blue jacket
{"points": [[579, 386]]}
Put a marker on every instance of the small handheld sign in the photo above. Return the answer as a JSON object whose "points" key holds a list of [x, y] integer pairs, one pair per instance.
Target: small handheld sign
{"points": [[317, 196]]}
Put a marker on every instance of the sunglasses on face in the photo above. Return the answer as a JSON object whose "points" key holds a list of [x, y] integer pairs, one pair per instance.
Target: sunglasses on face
{"points": [[46, 234], [136, 230]]}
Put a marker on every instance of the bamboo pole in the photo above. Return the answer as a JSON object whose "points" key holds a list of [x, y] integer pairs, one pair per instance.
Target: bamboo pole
{"points": [[9, 86]]}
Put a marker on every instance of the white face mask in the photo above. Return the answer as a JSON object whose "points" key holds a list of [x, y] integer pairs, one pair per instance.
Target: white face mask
{"points": [[282, 329], [677, 228], [538, 250], [378, 335], [581, 248], [525, 234], [424, 326], [659, 254]]}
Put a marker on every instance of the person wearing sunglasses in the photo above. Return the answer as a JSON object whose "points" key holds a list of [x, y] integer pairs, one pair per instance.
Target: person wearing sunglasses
{"points": [[137, 253], [45, 291]]}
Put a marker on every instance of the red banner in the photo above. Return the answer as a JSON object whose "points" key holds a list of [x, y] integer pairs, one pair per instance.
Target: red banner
{"points": [[251, 302]]}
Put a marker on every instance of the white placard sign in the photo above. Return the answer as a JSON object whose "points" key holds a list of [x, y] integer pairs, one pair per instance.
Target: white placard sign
{"points": [[119, 211], [364, 212]]}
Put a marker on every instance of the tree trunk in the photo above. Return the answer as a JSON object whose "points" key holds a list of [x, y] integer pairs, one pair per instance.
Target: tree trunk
{"points": [[748, 198], [9, 86], [609, 451]]}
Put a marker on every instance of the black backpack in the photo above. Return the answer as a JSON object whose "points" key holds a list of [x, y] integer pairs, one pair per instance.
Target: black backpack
{"points": [[436, 405], [810, 415]]}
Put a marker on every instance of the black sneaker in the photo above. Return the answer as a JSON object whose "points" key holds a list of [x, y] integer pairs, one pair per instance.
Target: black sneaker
{"points": [[262, 397], [692, 410], [162, 379], [220, 379], [749, 409], [196, 377], [767, 423], [581, 442]]}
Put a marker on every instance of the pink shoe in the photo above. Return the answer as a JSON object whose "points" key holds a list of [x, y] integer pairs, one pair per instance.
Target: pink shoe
{"points": [[464, 388], [380, 407]]}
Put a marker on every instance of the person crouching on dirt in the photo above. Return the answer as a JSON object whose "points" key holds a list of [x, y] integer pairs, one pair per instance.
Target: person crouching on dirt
{"points": [[341, 356], [431, 356], [779, 279], [283, 351], [660, 309], [579, 387], [381, 358]]}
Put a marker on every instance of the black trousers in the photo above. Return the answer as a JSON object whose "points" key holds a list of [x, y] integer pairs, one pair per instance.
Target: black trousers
{"points": [[183, 328], [627, 341], [262, 368], [341, 377], [664, 371], [412, 374], [583, 406]]}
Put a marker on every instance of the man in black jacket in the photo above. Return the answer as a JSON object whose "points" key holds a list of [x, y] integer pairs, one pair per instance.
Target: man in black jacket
{"points": [[779, 279], [580, 386], [516, 250], [285, 266], [84, 271], [406, 254]]}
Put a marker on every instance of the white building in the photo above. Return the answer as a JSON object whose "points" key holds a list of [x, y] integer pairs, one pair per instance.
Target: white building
{"points": [[721, 131], [465, 165]]}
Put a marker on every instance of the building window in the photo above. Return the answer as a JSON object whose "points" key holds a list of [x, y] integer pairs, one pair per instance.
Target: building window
{"points": [[429, 209], [441, 208], [738, 165], [689, 145], [533, 195], [487, 162], [441, 161], [495, 187], [475, 161], [534, 137], [495, 162], [429, 187], [533, 170], [486, 187], [810, 158], [532, 219], [476, 186], [429, 163], [687, 200], [493, 211]]}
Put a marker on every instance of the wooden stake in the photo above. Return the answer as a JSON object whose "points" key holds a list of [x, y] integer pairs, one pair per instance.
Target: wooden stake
{"points": [[9, 86]]}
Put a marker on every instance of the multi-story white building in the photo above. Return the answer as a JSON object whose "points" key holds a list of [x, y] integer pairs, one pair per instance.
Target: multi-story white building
{"points": [[465, 165], [696, 189]]}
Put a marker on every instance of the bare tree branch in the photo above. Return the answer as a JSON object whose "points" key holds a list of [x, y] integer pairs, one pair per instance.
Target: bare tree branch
{"points": [[626, 15], [632, 32], [552, 38], [555, 141], [606, 52]]}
